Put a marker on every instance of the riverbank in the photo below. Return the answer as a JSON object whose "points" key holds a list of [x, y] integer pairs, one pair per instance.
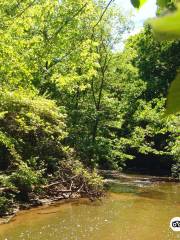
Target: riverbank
{"points": [[137, 213], [136, 176], [64, 197], [71, 180], [46, 202], [56, 193]]}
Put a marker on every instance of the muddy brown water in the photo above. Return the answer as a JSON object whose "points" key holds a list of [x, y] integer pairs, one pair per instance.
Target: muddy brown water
{"points": [[134, 210]]}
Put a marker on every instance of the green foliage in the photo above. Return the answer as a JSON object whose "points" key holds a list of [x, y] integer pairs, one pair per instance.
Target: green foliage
{"points": [[157, 61], [5, 205], [5, 182], [91, 178], [31, 126], [144, 132], [150, 135], [174, 96], [26, 179], [6, 195]]}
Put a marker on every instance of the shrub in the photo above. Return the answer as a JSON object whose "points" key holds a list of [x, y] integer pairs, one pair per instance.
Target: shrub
{"points": [[5, 205], [30, 127], [26, 180]]}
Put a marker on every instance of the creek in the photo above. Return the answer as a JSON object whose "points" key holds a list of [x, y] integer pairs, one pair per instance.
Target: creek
{"points": [[135, 208]]}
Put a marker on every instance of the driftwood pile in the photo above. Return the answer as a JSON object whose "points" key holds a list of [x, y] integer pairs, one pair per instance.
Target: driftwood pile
{"points": [[67, 185]]}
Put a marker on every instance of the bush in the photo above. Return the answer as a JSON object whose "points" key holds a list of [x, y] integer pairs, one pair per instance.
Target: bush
{"points": [[30, 127], [5, 205], [26, 180]]}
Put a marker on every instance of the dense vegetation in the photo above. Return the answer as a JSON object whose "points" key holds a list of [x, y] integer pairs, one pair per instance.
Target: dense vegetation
{"points": [[69, 103]]}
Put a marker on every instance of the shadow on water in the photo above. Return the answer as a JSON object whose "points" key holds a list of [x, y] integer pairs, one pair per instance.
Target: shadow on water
{"points": [[144, 188], [118, 187], [152, 194]]}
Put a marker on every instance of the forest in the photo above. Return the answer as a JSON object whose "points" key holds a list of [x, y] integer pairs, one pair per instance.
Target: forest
{"points": [[71, 104]]}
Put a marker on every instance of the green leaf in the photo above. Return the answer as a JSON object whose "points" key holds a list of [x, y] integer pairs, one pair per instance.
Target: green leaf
{"points": [[162, 3], [173, 101], [167, 27], [138, 3], [135, 3]]}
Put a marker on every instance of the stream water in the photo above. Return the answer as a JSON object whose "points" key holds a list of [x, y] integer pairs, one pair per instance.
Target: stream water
{"points": [[132, 210]]}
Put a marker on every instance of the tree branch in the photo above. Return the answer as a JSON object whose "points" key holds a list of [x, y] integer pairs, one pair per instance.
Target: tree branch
{"points": [[106, 8], [70, 19]]}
